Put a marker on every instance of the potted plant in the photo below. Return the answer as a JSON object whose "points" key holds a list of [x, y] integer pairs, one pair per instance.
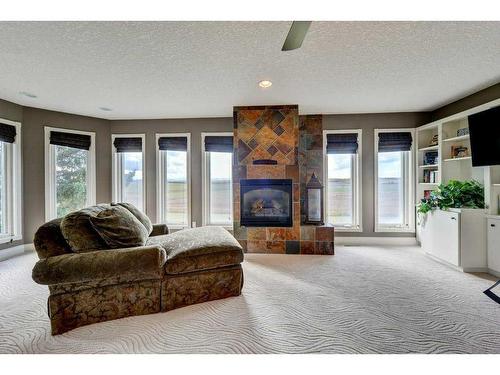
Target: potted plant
{"points": [[455, 194]]}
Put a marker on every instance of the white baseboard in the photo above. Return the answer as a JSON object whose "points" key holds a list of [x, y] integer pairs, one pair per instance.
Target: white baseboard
{"points": [[493, 272], [15, 251], [379, 241]]}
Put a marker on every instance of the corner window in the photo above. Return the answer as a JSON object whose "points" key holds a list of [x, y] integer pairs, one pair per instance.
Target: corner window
{"points": [[69, 171], [343, 171], [217, 154], [10, 181], [128, 169], [173, 177], [394, 207]]}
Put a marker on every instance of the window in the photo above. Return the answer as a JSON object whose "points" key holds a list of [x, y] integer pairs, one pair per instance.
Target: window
{"points": [[217, 151], [70, 171], [10, 181], [173, 177], [128, 169], [343, 171], [394, 207]]}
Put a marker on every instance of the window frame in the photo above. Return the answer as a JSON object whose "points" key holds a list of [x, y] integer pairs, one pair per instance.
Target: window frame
{"points": [[117, 172], [205, 172], [14, 187], [409, 192], [50, 176], [160, 188], [356, 172]]}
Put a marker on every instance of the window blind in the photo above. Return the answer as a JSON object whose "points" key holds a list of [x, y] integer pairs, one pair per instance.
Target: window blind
{"points": [[342, 143], [7, 133], [128, 144], [394, 141], [172, 143], [219, 143], [81, 141]]}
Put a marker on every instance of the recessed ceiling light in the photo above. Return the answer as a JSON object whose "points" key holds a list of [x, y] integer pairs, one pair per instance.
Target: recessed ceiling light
{"points": [[105, 109], [28, 94], [265, 84]]}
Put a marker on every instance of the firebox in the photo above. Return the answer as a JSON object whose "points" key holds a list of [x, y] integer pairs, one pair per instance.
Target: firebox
{"points": [[266, 203]]}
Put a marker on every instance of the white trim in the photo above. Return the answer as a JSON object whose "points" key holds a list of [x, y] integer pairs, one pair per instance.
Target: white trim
{"points": [[14, 251], [115, 181], [376, 241], [409, 198], [159, 178], [357, 177], [205, 180], [50, 203], [13, 186]]}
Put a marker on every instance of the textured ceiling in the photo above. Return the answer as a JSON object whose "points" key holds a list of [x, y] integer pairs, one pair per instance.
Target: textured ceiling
{"points": [[203, 69]]}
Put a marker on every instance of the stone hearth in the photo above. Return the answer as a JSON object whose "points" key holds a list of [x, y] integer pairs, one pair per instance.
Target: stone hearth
{"points": [[290, 146]]}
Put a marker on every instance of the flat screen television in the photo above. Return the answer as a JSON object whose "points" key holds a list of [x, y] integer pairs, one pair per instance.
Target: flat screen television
{"points": [[484, 130]]}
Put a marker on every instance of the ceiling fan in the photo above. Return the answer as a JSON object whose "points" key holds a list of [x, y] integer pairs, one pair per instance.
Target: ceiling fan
{"points": [[296, 35]]}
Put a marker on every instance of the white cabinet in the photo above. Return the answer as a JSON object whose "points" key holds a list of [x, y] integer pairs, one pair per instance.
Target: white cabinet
{"points": [[493, 230], [456, 237]]}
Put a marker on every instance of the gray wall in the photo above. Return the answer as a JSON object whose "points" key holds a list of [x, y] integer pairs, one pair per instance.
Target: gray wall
{"points": [[478, 98], [34, 121], [193, 126], [369, 122], [13, 112]]}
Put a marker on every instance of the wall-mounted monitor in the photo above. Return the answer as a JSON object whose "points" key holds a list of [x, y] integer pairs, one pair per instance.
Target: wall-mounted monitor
{"points": [[484, 129]]}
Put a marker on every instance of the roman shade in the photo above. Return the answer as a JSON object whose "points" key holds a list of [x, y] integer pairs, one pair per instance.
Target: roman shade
{"points": [[172, 143], [219, 143], [342, 143], [80, 141], [7, 133], [128, 144], [397, 141]]}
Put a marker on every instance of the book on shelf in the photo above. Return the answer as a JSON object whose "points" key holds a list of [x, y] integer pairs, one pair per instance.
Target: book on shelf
{"points": [[430, 177], [430, 158]]}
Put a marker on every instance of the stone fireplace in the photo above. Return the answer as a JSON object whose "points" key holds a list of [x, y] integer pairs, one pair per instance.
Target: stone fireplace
{"points": [[275, 153], [266, 203]]}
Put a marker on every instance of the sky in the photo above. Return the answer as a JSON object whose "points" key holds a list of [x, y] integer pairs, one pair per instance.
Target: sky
{"points": [[389, 165]]}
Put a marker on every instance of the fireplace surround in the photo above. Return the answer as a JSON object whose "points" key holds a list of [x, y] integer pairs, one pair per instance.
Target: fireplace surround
{"points": [[275, 143], [266, 202]]}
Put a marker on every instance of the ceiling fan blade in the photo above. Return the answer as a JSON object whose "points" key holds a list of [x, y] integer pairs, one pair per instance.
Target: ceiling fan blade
{"points": [[296, 35]]}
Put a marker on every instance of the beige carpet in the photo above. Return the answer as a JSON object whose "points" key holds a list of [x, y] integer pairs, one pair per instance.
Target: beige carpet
{"points": [[362, 300]]}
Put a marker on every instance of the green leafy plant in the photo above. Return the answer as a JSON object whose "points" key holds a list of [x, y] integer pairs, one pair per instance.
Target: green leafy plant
{"points": [[455, 194]]}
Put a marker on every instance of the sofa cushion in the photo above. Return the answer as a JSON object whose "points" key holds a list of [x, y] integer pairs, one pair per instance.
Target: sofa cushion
{"points": [[117, 265], [118, 227], [141, 216], [78, 231], [197, 249]]}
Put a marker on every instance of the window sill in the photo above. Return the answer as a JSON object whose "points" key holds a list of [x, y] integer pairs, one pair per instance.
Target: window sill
{"points": [[348, 229], [8, 239], [394, 230]]}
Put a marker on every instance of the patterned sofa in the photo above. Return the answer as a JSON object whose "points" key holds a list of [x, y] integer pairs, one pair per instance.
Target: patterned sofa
{"points": [[168, 272]]}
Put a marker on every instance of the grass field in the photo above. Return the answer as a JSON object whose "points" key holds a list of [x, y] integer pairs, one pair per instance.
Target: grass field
{"points": [[340, 198]]}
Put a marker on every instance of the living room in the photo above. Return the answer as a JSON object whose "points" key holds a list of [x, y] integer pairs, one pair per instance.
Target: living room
{"points": [[252, 187]]}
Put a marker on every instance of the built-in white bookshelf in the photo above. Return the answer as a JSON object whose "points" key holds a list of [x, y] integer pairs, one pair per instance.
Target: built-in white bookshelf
{"points": [[454, 161]]}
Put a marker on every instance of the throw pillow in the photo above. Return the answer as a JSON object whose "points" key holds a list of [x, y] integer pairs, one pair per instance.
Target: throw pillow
{"points": [[119, 228], [141, 216], [78, 231]]}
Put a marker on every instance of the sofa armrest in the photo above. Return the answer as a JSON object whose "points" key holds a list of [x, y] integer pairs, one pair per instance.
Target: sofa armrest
{"points": [[159, 230], [144, 262]]}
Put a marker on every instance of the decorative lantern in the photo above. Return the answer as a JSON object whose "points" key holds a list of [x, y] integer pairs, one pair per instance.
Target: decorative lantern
{"points": [[314, 201]]}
